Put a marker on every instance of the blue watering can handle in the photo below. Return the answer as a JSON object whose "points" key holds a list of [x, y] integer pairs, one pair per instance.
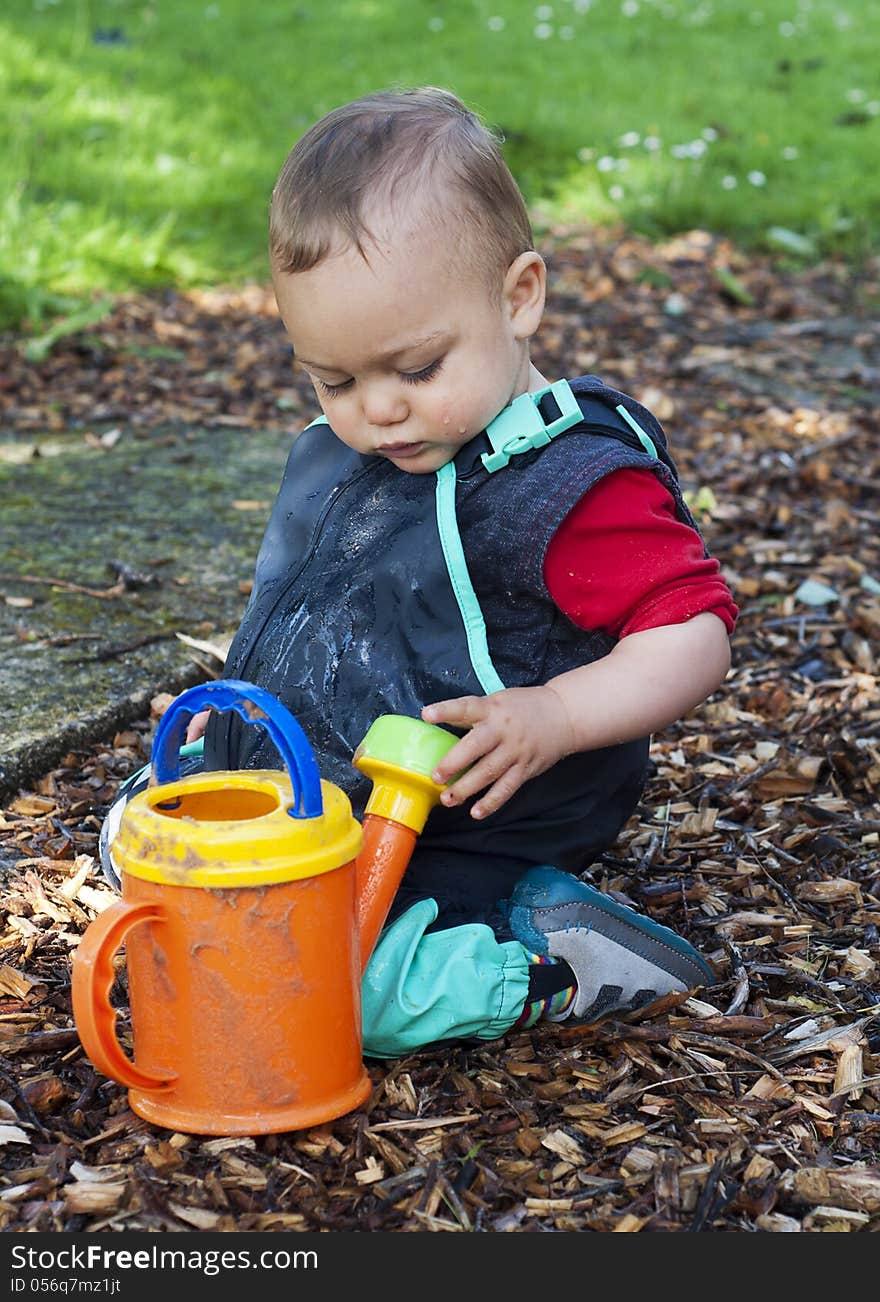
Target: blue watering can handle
{"points": [[255, 705]]}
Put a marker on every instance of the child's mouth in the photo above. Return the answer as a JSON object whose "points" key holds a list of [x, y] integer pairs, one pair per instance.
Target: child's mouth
{"points": [[400, 450]]}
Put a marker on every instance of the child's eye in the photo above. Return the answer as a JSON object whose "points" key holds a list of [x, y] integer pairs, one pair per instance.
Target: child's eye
{"points": [[419, 377], [408, 377], [332, 389]]}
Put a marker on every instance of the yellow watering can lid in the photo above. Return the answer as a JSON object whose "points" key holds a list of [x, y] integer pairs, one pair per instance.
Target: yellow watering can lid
{"points": [[233, 829]]}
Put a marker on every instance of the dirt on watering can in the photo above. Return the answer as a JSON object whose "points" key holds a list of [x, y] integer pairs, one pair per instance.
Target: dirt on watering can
{"points": [[110, 550]]}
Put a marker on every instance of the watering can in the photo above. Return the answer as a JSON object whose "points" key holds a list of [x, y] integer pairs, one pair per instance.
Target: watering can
{"points": [[251, 903]]}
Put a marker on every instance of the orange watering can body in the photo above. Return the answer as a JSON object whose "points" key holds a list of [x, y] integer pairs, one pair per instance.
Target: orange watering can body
{"points": [[251, 902]]}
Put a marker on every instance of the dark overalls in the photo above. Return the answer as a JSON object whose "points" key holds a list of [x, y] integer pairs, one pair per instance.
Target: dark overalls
{"points": [[378, 592]]}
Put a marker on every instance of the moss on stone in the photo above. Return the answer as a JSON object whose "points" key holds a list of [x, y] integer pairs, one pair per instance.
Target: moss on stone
{"points": [[183, 509]]}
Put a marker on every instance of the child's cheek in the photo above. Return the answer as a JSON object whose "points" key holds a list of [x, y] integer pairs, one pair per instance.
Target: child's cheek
{"points": [[446, 414], [453, 420], [347, 428]]}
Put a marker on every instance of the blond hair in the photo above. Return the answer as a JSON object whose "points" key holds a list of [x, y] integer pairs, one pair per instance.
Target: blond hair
{"points": [[420, 144]]}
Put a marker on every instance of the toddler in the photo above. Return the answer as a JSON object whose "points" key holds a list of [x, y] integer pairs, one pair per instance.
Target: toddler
{"points": [[462, 539]]}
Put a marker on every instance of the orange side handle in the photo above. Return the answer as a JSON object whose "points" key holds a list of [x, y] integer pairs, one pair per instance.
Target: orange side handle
{"points": [[92, 980], [383, 859]]}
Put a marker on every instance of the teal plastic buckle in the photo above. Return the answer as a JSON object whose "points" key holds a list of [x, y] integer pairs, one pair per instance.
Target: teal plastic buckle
{"points": [[520, 427]]}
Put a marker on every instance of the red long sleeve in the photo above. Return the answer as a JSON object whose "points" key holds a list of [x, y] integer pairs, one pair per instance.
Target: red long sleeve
{"points": [[621, 561]]}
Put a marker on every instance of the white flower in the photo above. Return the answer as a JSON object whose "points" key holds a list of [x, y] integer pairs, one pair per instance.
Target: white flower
{"points": [[566, 33], [652, 144], [856, 96], [692, 149], [757, 178], [629, 8], [544, 12], [789, 152], [606, 163], [728, 182], [495, 24], [543, 31], [436, 24], [586, 155], [709, 133], [616, 193], [787, 29], [629, 139]]}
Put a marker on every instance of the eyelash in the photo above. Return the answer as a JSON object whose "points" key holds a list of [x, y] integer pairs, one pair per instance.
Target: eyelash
{"points": [[413, 377]]}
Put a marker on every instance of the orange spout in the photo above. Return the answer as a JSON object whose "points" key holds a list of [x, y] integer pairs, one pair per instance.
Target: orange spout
{"points": [[398, 754], [385, 853]]}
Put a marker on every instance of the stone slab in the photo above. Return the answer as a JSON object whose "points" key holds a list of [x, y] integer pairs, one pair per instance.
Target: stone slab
{"points": [[179, 514]]}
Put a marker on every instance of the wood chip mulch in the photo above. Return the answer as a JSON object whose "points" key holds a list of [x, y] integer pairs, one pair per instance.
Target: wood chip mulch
{"points": [[751, 1106]]}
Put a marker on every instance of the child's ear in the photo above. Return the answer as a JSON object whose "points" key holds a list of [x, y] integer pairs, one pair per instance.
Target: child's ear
{"points": [[525, 288]]}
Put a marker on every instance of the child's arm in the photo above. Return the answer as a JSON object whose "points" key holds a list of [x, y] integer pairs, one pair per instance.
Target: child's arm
{"points": [[647, 681]]}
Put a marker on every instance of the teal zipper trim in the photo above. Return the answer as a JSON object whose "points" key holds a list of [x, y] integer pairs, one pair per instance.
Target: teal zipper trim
{"points": [[456, 565], [645, 439]]}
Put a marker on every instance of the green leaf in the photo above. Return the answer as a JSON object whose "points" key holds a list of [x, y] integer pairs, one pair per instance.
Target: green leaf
{"points": [[791, 241], [702, 500], [654, 276], [813, 593], [155, 353], [38, 349], [733, 287]]}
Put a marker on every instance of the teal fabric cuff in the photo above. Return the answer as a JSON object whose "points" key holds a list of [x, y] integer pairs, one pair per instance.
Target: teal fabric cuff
{"points": [[453, 984]]}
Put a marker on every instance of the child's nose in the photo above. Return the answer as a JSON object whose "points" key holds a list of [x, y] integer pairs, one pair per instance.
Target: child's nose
{"points": [[384, 404]]}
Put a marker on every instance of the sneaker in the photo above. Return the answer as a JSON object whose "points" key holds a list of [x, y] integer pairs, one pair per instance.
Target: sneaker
{"points": [[621, 958], [191, 761]]}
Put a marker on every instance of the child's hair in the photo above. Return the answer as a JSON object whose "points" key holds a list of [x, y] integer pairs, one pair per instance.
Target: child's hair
{"points": [[422, 142]]}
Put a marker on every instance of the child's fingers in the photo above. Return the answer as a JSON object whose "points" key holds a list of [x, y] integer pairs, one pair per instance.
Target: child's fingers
{"points": [[491, 769], [498, 794], [197, 725], [462, 711], [465, 757], [501, 778], [477, 778]]}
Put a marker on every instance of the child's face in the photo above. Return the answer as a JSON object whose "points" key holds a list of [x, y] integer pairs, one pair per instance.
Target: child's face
{"points": [[410, 355]]}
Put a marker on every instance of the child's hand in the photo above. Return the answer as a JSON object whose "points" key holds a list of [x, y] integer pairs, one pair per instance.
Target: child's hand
{"points": [[514, 735], [644, 683], [197, 725]]}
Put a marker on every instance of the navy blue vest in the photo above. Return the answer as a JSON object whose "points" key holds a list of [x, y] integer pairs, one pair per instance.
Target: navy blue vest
{"points": [[353, 614]]}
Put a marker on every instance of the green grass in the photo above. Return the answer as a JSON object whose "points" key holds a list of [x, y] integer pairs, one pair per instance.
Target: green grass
{"points": [[142, 137]]}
